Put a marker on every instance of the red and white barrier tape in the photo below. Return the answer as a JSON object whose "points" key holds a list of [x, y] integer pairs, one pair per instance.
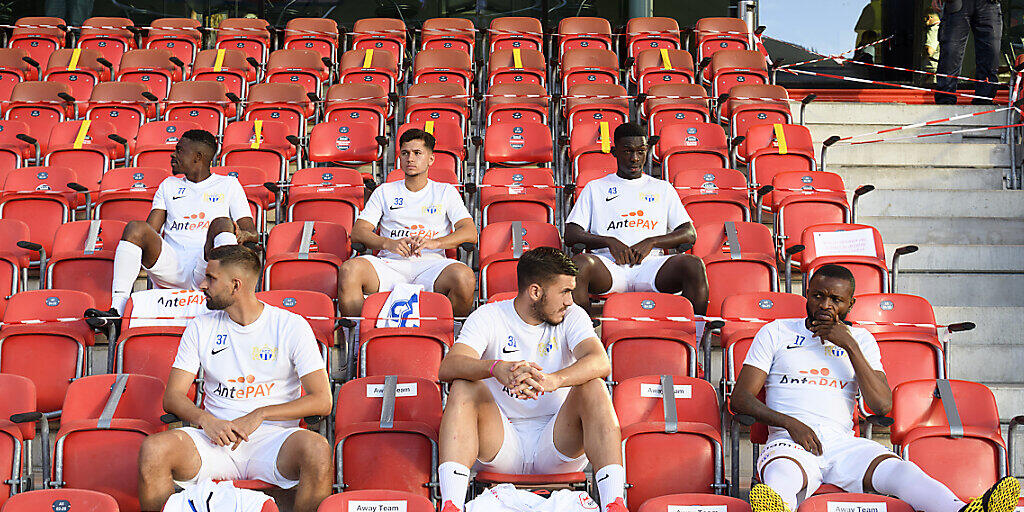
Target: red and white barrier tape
{"points": [[876, 82], [923, 135], [927, 123], [827, 57]]}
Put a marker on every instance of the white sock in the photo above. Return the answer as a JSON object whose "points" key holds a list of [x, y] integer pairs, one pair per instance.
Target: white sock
{"points": [[906, 481], [225, 238], [454, 479], [611, 483], [127, 262], [786, 478]]}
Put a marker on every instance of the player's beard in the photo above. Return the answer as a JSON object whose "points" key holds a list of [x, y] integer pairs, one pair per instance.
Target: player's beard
{"points": [[217, 303], [540, 308]]}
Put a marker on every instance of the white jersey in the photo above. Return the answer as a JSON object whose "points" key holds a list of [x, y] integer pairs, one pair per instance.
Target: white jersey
{"points": [[809, 380], [251, 366], [628, 210], [399, 212], [496, 331], [192, 206]]}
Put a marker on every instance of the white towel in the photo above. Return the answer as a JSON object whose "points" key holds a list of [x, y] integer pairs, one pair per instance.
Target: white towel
{"points": [[506, 498], [207, 496], [402, 308], [180, 305]]}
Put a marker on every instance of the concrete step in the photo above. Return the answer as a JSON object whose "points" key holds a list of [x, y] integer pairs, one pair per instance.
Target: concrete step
{"points": [[965, 289], [1009, 398], [896, 114], [979, 363], [954, 230], [820, 132], [929, 178], [994, 325], [917, 154], [942, 203], [961, 258]]}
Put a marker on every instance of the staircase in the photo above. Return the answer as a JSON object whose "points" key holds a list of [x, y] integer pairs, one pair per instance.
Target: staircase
{"points": [[946, 195]]}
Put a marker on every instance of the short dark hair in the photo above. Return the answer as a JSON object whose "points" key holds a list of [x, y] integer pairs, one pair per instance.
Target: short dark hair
{"points": [[541, 264], [417, 134], [238, 256], [202, 137], [837, 272], [628, 130]]}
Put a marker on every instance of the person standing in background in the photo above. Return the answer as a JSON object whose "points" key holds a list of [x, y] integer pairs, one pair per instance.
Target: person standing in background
{"points": [[959, 17]]}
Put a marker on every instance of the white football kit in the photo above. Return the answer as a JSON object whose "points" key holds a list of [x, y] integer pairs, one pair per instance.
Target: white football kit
{"points": [[815, 383], [496, 331], [190, 208], [630, 211], [398, 212], [247, 367]]}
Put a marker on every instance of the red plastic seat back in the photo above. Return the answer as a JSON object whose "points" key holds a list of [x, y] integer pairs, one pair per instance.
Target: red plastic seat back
{"points": [[658, 306], [508, 32], [315, 307], [126, 193], [498, 263], [901, 308], [380, 34], [334, 194], [449, 33], [866, 260], [412, 351], [404, 500], [77, 499], [75, 265], [743, 310], [20, 395], [88, 396], [583, 32], [713, 195], [834, 501], [518, 143], [39, 36], [692, 146], [517, 194], [316, 34]]}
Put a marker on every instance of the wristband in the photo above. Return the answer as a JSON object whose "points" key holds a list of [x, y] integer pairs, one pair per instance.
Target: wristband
{"points": [[491, 371]]}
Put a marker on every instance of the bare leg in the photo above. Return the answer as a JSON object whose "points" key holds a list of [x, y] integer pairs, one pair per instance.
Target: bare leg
{"points": [[684, 273], [306, 456], [471, 426], [586, 423], [593, 277], [164, 458], [458, 283], [356, 279]]}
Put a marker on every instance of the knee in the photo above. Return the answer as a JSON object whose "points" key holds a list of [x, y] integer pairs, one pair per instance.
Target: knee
{"points": [[222, 225], [691, 268], [463, 279], [315, 453], [349, 274], [155, 451], [584, 262], [465, 392], [594, 393], [134, 232]]}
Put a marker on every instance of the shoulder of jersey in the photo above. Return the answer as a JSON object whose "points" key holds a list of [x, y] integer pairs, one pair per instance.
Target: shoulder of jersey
{"points": [[206, 315], [170, 179]]}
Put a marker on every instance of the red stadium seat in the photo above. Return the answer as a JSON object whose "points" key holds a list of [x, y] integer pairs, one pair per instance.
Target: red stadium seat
{"points": [[404, 500], [593, 103], [306, 256], [965, 451], [501, 245], [394, 421], [833, 501], [303, 67], [285, 103], [588, 174], [98, 449], [14, 152], [692, 146], [152, 68], [83, 258], [180, 36], [370, 66], [509, 32], [39, 36], [674, 103], [126, 193], [649, 431], [124, 105], [713, 195], [773, 148], [358, 102], [79, 499], [256, 194], [258, 143], [663, 66], [801, 199], [739, 258], [40, 105], [449, 147], [513, 102], [14, 261], [703, 501], [753, 104], [228, 67], [39, 197], [157, 140], [718, 34], [437, 102], [387, 34], [250, 35], [346, 142], [53, 353], [20, 397], [590, 146], [406, 351], [315, 34], [588, 66], [315, 307], [443, 66], [867, 262], [449, 33], [518, 143], [13, 70], [334, 194], [109, 36], [649, 333], [516, 66], [583, 33], [517, 194], [734, 67], [85, 147], [200, 102], [651, 33]]}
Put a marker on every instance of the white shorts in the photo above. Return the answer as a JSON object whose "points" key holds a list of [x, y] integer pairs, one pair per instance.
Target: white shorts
{"points": [[529, 449], [173, 270], [422, 271], [255, 459], [638, 278], [843, 463]]}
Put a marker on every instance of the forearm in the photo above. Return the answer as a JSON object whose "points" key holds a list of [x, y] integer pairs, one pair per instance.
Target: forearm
{"points": [[873, 386], [748, 404], [307, 405], [674, 239], [457, 238], [371, 240], [585, 369], [577, 235], [185, 409], [457, 366]]}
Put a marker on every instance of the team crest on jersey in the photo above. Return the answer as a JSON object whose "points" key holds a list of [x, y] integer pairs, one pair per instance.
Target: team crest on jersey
{"points": [[835, 351], [431, 209], [545, 347], [650, 197], [213, 197], [265, 353]]}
